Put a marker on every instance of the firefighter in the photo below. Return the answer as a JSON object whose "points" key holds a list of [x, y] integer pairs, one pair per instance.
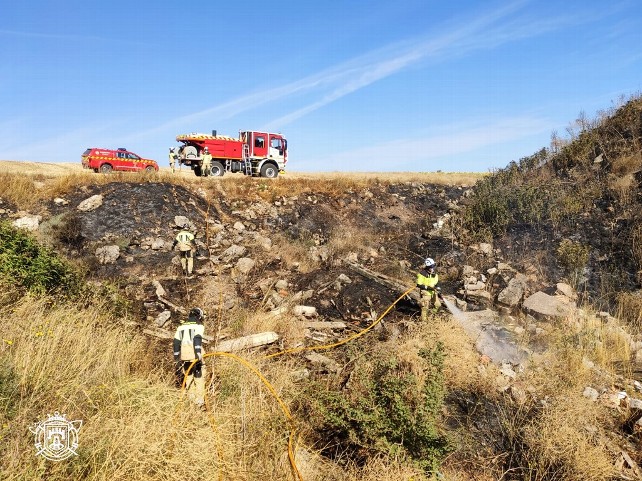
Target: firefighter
{"points": [[188, 347], [207, 162], [427, 280], [172, 159], [185, 241]]}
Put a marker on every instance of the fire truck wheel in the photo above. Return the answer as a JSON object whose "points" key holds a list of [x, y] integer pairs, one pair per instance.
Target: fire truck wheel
{"points": [[106, 168], [268, 170], [217, 169]]}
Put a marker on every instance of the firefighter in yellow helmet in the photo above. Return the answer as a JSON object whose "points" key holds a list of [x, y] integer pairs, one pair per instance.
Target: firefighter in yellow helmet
{"points": [[207, 162], [188, 347], [427, 280], [185, 241]]}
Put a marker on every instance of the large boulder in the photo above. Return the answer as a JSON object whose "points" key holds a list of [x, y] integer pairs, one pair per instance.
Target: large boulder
{"points": [[544, 307], [512, 295]]}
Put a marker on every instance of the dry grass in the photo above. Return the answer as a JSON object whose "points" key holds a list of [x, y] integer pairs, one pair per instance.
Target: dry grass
{"points": [[562, 443], [67, 360]]}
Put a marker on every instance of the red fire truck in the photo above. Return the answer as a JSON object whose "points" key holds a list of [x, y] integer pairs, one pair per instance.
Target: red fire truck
{"points": [[259, 154]]}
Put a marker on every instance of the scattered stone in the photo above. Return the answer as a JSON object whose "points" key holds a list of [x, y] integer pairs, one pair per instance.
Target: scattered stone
{"points": [[91, 203], [28, 222], [180, 221], [233, 252], [162, 318], [304, 311], [160, 291], [108, 254], [245, 265], [590, 393], [320, 360], [239, 226], [157, 244], [566, 290], [60, 201], [300, 375]]}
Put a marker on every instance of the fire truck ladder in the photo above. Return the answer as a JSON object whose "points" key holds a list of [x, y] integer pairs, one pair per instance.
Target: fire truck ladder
{"points": [[246, 159]]}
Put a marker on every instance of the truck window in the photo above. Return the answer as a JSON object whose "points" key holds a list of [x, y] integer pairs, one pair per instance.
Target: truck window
{"points": [[133, 156], [259, 141], [276, 144]]}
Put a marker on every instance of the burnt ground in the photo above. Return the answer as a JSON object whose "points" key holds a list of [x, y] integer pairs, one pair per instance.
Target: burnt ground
{"points": [[395, 221]]}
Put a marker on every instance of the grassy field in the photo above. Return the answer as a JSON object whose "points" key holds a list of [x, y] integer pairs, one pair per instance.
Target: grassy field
{"points": [[50, 169]]}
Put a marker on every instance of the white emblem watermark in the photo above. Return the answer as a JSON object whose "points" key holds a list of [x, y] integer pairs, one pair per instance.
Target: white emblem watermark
{"points": [[56, 438]]}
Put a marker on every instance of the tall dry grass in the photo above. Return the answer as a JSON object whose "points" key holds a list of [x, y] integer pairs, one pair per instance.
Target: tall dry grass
{"points": [[135, 426]]}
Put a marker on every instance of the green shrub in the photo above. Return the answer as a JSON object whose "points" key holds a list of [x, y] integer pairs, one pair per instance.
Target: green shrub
{"points": [[26, 263], [573, 256], [386, 409]]}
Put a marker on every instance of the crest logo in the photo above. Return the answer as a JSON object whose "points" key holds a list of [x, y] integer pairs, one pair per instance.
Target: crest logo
{"points": [[56, 438]]}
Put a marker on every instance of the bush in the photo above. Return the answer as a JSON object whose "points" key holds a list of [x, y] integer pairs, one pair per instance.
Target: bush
{"points": [[388, 409], [573, 256], [26, 263]]}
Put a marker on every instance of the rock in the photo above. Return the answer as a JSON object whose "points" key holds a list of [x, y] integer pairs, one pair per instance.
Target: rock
{"points": [[517, 394], [477, 286], [300, 375], [180, 221], [468, 271], [281, 284], [91, 203], [544, 307], [512, 294], [507, 370], [590, 393], [162, 318], [245, 265], [239, 226], [319, 254], [233, 252], [108, 254], [28, 222], [157, 244], [60, 201], [486, 249], [160, 292], [635, 404], [304, 311], [322, 361], [566, 290]]}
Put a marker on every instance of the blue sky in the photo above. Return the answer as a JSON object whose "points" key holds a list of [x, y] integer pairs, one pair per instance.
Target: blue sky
{"points": [[409, 85]]}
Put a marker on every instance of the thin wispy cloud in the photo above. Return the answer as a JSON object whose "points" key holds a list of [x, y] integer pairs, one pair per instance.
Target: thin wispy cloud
{"points": [[481, 33], [453, 140], [340, 80]]}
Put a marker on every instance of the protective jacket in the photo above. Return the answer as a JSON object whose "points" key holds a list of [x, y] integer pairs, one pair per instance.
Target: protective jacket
{"points": [[184, 240], [427, 281], [188, 341]]}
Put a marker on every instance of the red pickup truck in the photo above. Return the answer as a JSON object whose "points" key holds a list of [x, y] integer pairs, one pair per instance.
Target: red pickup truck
{"points": [[106, 160]]}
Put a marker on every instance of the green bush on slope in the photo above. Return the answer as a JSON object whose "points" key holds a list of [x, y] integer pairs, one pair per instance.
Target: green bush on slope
{"points": [[27, 264], [387, 409]]}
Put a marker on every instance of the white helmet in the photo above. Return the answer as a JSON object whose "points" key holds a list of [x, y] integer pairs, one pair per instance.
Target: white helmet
{"points": [[429, 263]]}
